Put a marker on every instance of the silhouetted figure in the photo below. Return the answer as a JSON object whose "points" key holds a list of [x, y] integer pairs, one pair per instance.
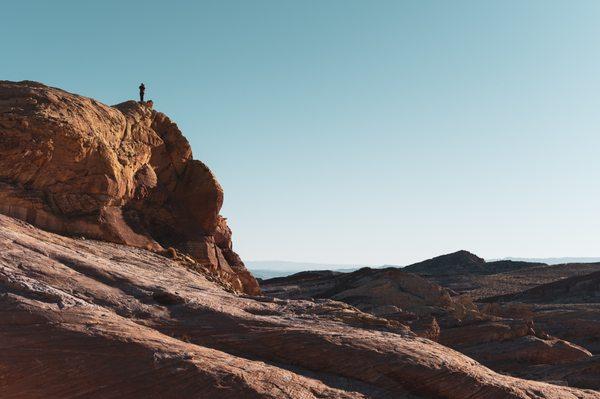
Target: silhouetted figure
{"points": [[142, 90]]}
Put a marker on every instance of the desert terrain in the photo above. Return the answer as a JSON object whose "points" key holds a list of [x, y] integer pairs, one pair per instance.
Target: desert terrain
{"points": [[118, 278]]}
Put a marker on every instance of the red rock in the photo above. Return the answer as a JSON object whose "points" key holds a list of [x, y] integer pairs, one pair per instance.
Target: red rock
{"points": [[125, 174], [82, 318], [505, 344]]}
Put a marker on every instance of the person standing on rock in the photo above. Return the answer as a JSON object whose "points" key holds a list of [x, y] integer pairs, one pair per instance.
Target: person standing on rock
{"points": [[142, 90]]}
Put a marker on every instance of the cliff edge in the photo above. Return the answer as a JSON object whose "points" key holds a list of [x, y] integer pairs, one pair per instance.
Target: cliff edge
{"points": [[125, 174]]}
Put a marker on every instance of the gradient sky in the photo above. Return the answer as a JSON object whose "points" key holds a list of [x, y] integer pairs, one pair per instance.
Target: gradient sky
{"points": [[347, 131]]}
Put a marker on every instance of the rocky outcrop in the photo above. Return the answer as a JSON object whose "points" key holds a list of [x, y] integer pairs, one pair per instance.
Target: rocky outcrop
{"points": [[578, 323], [585, 373], [511, 346], [456, 262], [124, 174], [575, 322], [576, 289], [466, 273], [568, 308], [504, 339], [81, 318], [389, 292]]}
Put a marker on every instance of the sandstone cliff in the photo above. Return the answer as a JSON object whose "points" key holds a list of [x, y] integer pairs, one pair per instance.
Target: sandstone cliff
{"points": [[124, 174]]}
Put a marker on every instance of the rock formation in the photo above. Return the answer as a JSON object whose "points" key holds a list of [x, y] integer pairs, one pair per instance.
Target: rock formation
{"points": [[506, 341], [466, 273], [464, 262], [456, 262], [576, 289], [81, 318], [124, 174], [561, 300], [162, 307]]}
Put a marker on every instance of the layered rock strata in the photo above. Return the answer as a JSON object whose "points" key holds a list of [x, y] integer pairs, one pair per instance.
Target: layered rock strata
{"points": [[72, 165]]}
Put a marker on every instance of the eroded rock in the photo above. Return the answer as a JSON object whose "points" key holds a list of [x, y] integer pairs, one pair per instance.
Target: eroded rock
{"points": [[124, 174], [80, 318]]}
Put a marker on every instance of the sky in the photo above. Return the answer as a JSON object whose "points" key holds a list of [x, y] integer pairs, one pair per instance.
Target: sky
{"points": [[356, 132]]}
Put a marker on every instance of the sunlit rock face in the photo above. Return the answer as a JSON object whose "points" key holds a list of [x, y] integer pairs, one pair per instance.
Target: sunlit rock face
{"points": [[125, 174]]}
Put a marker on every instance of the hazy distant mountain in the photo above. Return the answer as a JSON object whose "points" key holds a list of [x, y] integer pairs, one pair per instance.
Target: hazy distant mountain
{"points": [[279, 268], [554, 261], [265, 269]]}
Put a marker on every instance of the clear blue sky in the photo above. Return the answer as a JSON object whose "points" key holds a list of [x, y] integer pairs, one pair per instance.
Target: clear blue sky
{"points": [[356, 131]]}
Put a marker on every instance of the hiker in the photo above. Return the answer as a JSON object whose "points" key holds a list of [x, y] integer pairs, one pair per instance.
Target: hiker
{"points": [[142, 90]]}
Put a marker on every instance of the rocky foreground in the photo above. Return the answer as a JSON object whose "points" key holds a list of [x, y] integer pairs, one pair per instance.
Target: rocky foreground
{"points": [[82, 318], [118, 280], [72, 165]]}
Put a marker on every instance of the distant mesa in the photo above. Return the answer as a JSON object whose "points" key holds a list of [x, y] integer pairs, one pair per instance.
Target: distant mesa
{"points": [[72, 165], [465, 262], [456, 262]]}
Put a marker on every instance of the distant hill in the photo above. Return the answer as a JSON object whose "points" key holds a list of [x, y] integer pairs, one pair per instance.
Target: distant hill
{"points": [[460, 262], [552, 261], [380, 291], [265, 269], [456, 262], [464, 272], [464, 262]]}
